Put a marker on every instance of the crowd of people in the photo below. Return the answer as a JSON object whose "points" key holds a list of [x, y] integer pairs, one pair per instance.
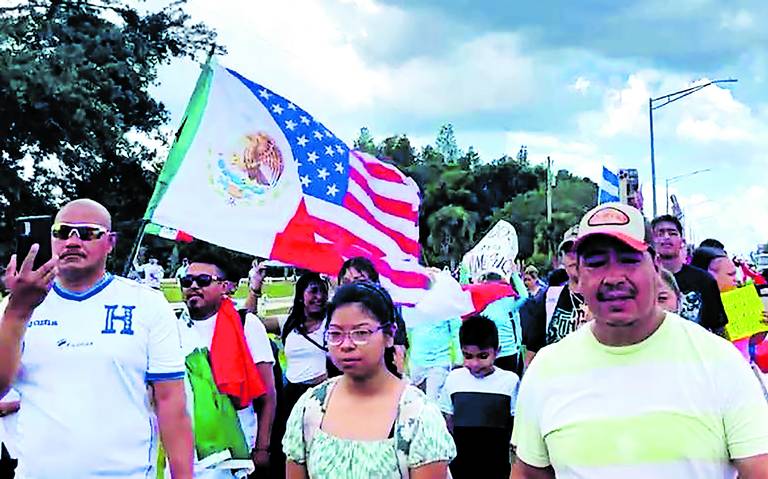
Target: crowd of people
{"points": [[615, 365]]}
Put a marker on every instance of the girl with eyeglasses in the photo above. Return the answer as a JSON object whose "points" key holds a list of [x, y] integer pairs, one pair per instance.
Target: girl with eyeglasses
{"points": [[367, 422]]}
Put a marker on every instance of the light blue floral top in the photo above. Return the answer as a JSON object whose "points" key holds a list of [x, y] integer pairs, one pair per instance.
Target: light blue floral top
{"points": [[420, 438]]}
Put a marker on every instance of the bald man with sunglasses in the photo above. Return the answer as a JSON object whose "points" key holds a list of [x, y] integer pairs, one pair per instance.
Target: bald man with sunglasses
{"points": [[82, 346]]}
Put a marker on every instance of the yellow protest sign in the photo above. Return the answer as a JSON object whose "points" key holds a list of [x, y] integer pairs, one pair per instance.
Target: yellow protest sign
{"points": [[744, 309]]}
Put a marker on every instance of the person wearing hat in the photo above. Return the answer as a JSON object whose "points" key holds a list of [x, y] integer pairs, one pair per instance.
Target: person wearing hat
{"points": [[562, 310], [637, 392]]}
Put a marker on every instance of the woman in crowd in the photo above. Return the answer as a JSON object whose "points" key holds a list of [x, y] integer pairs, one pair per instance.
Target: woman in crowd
{"points": [[305, 354], [302, 336], [669, 292], [367, 422]]}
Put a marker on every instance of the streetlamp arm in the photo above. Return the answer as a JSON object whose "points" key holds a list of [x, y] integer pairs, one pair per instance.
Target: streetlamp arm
{"points": [[673, 97]]}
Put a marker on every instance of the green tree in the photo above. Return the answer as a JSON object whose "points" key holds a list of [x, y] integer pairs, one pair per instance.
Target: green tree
{"points": [[398, 150], [571, 198], [446, 144], [75, 108], [364, 142], [452, 228], [469, 160]]}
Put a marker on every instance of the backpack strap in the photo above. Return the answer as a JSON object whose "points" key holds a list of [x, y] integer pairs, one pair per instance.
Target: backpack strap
{"points": [[243, 313]]}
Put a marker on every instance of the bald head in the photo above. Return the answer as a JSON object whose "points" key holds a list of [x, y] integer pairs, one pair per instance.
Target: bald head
{"points": [[84, 210]]}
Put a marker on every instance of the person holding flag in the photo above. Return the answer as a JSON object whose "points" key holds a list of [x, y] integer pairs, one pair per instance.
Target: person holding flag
{"points": [[229, 370]]}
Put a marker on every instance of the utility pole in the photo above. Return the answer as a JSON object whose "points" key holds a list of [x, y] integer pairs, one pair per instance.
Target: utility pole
{"points": [[549, 190], [550, 242]]}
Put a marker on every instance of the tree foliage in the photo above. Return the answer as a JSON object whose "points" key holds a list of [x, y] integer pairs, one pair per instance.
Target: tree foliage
{"points": [[446, 144], [463, 197], [75, 109]]}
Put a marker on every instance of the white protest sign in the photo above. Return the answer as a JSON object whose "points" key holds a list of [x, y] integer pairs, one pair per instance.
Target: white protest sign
{"points": [[495, 253]]}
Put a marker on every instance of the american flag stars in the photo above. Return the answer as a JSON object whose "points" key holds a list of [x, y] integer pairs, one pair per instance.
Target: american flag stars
{"points": [[321, 158]]}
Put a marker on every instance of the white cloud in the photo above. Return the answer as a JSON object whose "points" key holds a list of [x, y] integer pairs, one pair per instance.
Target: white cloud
{"points": [[738, 21], [311, 51], [580, 85], [487, 73], [709, 130], [580, 158], [747, 218], [624, 111], [711, 114]]}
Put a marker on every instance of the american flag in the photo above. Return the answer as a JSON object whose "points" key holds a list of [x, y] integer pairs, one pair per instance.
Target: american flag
{"points": [[353, 205]]}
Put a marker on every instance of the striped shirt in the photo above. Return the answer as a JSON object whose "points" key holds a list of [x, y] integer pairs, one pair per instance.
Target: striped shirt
{"points": [[682, 403]]}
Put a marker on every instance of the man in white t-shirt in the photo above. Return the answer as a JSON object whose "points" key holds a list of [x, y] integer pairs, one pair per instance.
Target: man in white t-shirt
{"points": [[9, 406], [205, 287], [81, 347], [153, 273], [636, 393], [182, 269]]}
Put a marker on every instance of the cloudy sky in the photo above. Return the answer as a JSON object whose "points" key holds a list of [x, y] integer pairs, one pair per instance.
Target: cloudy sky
{"points": [[570, 82]]}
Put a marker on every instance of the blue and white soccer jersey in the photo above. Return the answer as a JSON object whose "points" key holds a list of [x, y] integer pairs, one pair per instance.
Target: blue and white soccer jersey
{"points": [[86, 361]]}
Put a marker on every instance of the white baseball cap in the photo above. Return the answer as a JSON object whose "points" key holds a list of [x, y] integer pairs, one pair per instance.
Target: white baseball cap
{"points": [[617, 220]]}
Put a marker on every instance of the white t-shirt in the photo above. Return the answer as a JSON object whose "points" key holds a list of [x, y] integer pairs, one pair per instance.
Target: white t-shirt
{"points": [[305, 360], [8, 425], [199, 334], [153, 274], [682, 403], [86, 361], [495, 394]]}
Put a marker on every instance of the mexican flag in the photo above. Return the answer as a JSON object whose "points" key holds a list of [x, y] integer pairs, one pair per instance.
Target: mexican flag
{"points": [[253, 172], [168, 233]]}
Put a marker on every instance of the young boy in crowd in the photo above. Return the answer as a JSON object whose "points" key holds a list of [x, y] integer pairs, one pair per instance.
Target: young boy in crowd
{"points": [[478, 401]]}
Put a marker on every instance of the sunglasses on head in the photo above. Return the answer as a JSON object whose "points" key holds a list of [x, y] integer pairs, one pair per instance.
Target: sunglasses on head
{"points": [[202, 280], [84, 231]]}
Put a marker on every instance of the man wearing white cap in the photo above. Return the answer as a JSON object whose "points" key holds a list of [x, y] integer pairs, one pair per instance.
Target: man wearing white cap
{"points": [[636, 393]]}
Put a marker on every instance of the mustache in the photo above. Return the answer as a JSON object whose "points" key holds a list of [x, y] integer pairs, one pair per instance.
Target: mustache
{"points": [[613, 291]]}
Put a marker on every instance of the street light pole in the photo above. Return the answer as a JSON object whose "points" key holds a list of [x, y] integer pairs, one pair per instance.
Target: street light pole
{"points": [[678, 177], [672, 97], [653, 156]]}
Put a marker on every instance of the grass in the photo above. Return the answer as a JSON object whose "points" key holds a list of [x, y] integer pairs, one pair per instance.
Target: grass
{"points": [[278, 289]]}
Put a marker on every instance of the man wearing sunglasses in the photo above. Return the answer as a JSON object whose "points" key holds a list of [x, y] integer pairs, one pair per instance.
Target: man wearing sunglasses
{"points": [[82, 346], [209, 319]]}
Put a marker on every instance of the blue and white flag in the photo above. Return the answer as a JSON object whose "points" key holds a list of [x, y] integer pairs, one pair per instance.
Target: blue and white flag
{"points": [[609, 187]]}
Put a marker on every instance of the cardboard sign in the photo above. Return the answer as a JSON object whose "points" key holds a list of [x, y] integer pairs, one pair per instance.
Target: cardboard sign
{"points": [[495, 253], [744, 309]]}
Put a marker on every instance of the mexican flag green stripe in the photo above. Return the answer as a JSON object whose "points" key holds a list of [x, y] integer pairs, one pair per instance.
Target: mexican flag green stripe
{"points": [[186, 133], [168, 233]]}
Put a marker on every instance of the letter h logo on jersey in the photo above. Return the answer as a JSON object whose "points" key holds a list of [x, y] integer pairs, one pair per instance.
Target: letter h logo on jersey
{"points": [[112, 316]]}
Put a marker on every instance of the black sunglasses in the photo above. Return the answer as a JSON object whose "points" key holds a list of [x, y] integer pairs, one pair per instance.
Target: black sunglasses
{"points": [[202, 280]]}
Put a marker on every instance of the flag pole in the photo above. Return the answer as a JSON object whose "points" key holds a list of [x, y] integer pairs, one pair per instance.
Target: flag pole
{"points": [[135, 249]]}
